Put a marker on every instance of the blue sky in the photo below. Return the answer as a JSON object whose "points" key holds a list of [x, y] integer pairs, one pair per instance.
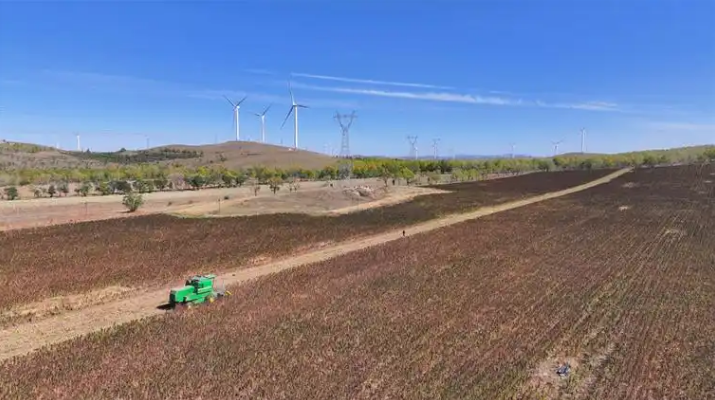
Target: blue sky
{"points": [[476, 74]]}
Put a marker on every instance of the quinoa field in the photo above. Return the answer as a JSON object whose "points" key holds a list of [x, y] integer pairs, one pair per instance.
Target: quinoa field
{"points": [[155, 249], [618, 281]]}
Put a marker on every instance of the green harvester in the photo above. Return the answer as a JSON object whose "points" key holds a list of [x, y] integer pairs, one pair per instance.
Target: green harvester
{"points": [[198, 289]]}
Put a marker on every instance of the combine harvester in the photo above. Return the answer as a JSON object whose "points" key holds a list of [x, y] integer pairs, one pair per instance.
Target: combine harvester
{"points": [[198, 289]]}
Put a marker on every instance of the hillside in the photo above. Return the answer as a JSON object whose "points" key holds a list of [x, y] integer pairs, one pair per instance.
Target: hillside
{"points": [[229, 154]]}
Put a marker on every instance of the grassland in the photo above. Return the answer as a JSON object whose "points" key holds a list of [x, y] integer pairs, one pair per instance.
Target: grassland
{"points": [[617, 280], [141, 251]]}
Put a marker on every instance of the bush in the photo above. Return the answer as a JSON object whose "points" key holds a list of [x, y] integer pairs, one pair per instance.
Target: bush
{"points": [[132, 201], [11, 193]]}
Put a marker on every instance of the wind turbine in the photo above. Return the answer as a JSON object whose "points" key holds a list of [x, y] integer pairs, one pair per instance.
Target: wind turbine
{"points": [[556, 146], [513, 145], [236, 107], [293, 109], [263, 122]]}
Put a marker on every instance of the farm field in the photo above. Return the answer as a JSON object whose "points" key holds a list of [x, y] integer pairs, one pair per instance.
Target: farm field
{"points": [[618, 280], [130, 253]]}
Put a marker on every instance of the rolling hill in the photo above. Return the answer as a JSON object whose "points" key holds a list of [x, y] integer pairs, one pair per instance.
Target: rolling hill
{"points": [[230, 154]]}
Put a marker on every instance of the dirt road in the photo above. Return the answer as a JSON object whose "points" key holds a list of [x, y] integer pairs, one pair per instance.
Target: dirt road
{"points": [[25, 338]]}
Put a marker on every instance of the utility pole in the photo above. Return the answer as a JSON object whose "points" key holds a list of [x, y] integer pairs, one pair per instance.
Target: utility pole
{"points": [[345, 121], [435, 147], [413, 146]]}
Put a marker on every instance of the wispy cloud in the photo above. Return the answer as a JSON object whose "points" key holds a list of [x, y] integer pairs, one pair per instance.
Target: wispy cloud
{"points": [[430, 96], [682, 126], [369, 81], [466, 98], [588, 106], [123, 83]]}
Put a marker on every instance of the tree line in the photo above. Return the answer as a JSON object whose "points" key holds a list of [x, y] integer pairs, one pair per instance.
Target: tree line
{"points": [[149, 177]]}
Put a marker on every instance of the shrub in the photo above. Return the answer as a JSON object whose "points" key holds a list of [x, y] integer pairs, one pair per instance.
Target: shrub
{"points": [[132, 201]]}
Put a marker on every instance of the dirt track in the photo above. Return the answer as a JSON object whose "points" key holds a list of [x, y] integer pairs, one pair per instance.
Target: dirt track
{"points": [[25, 338]]}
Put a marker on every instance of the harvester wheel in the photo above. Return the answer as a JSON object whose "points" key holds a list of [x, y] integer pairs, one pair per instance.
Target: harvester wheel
{"points": [[212, 299], [227, 293]]}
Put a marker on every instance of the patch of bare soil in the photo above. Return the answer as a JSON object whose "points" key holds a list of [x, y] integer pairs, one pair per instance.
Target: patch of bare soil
{"points": [[59, 305], [629, 185], [544, 379], [321, 201]]}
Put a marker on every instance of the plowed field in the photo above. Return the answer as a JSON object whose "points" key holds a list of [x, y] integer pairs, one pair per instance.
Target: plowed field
{"points": [[618, 280], [141, 251]]}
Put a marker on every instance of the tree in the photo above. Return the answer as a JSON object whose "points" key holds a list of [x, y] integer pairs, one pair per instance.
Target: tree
{"points": [[196, 181], [84, 189], [104, 188], [38, 193], [11, 193], [64, 188], [52, 191], [132, 201], [241, 178], [275, 184], [385, 174], [407, 175]]}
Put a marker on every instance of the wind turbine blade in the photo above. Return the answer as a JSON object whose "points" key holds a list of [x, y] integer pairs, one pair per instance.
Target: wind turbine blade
{"points": [[229, 101], [242, 100], [302, 106], [286, 118], [267, 108], [290, 89], [256, 114]]}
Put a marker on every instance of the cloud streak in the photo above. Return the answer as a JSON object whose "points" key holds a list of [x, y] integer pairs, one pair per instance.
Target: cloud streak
{"points": [[368, 81], [465, 98]]}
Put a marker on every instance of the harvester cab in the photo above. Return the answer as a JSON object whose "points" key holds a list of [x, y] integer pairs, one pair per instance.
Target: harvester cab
{"points": [[198, 289]]}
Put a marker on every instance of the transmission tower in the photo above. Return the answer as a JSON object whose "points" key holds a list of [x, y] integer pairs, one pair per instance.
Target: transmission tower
{"points": [[413, 146], [435, 147], [346, 166]]}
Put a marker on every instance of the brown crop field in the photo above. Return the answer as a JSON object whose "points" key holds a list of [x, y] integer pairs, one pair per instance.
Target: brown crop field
{"points": [[140, 251], [619, 281]]}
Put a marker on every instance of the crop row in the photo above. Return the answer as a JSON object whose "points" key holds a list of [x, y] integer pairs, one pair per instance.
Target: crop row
{"points": [[469, 311], [153, 249]]}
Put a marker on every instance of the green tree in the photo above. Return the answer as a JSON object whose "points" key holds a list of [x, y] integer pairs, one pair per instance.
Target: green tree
{"points": [[11, 193], [196, 181], [84, 189], [407, 175], [104, 188], [132, 201]]}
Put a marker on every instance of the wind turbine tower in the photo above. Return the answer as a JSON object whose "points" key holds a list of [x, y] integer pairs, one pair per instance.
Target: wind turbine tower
{"points": [[583, 140], [293, 109], [345, 121], [413, 146], [262, 116], [79, 146], [435, 148], [236, 107], [556, 146], [513, 146]]}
